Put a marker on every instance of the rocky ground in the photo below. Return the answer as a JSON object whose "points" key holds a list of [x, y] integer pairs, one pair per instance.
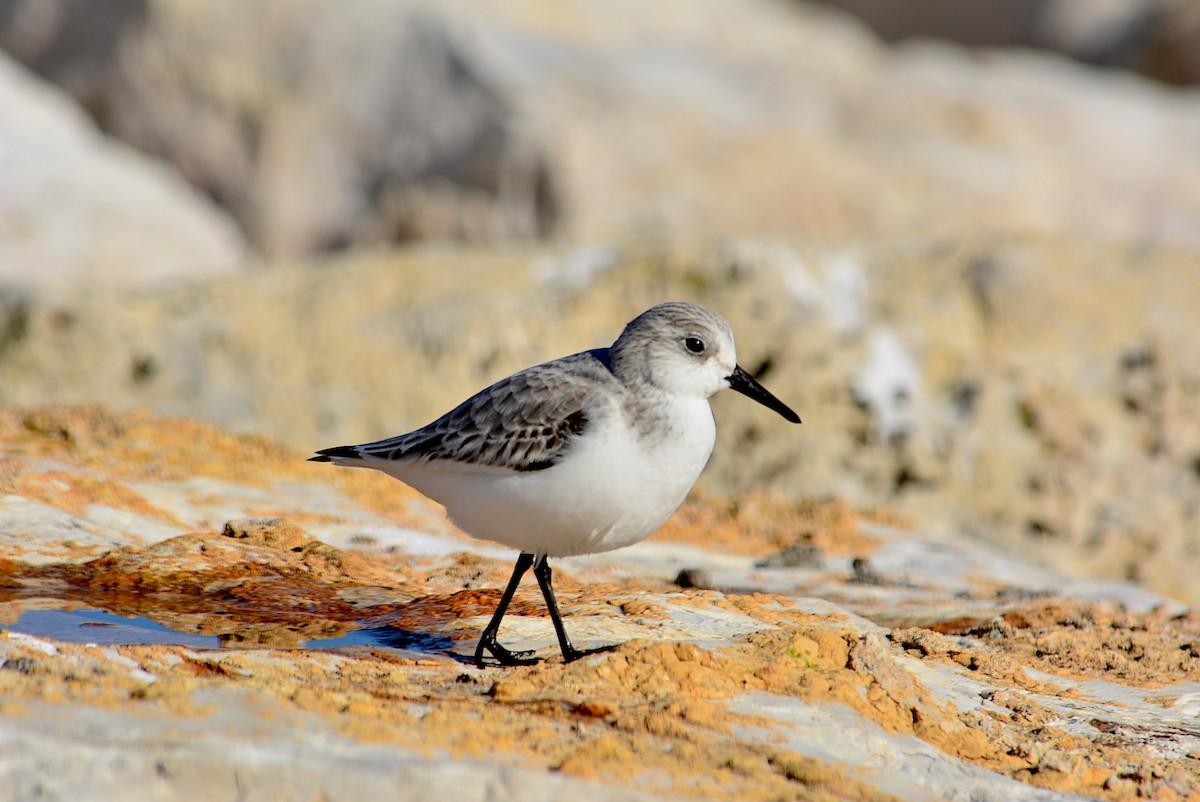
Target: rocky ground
{"points": [[192, 614], [1031, 393], [971, 270]]}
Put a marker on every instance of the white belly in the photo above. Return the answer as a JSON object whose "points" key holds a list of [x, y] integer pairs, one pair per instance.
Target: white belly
{"points": [[611, 490]]}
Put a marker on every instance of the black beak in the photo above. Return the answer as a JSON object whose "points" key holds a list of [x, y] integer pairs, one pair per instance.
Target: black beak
{"points": [[745, 384]]}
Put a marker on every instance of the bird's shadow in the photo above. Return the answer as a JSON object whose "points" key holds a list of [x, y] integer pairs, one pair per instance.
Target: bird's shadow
{"points": [[391, 637]]}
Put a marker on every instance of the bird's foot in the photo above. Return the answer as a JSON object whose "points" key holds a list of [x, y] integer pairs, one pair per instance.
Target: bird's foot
{"points": [[571, 654], [503, 655]]}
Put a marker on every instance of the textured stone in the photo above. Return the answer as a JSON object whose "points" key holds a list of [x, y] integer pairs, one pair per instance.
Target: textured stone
{"points": [[1157, 38], [315, 126], [980, 299], [218, 669], [78, 208], [601, 125], [1048, 411]]}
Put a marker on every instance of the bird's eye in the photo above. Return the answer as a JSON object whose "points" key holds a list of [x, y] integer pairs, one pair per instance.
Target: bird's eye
{"points": [[694, 344]]}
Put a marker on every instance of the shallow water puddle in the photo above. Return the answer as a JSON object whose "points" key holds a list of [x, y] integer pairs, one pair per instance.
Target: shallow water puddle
{"points": [[88, 625], [104, 629]]}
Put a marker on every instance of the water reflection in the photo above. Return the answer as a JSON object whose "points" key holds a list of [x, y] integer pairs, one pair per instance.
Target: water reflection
{"points": [[131, 619]]}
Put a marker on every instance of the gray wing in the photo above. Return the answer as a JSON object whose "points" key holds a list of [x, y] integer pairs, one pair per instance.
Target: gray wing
{"points": [[523, 423]]}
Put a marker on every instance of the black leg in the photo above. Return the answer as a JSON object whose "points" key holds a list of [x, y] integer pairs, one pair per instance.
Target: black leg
{"points": [[487, 641], [541, 570]]}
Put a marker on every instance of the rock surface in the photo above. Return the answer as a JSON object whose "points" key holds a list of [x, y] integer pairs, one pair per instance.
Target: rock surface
{"points": [[973, 274], [1157, 38], [980, 293], [172, 636], [608, 123], [78, 209], [1028, 392], [316, 126]]}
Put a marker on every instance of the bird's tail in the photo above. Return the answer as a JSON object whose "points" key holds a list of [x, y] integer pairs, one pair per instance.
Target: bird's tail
{"points": [[338, 454]]}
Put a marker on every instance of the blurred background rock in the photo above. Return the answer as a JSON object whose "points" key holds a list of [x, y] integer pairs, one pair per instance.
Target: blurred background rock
{"points": [[963, 244]]}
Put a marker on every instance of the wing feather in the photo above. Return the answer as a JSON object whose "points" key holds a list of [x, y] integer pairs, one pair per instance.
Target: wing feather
{"points": [[525, 422]]}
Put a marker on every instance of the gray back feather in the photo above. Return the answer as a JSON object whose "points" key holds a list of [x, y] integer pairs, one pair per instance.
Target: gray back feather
{"points": [[524, 422]]}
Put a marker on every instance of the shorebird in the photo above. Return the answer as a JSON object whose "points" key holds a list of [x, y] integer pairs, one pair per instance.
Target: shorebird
{"points": [[583, 454]]}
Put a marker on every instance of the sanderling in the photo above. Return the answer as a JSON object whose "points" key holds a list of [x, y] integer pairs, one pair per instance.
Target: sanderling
{"points": [[583, 454]]}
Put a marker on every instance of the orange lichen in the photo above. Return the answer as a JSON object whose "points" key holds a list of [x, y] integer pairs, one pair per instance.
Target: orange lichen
{"points": [[1085, 640], [75, 492], [139, 446], [760, 523], [653, 713]]}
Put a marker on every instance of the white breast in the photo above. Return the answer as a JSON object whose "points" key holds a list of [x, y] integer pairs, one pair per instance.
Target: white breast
{"points": [[614, 488]]}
